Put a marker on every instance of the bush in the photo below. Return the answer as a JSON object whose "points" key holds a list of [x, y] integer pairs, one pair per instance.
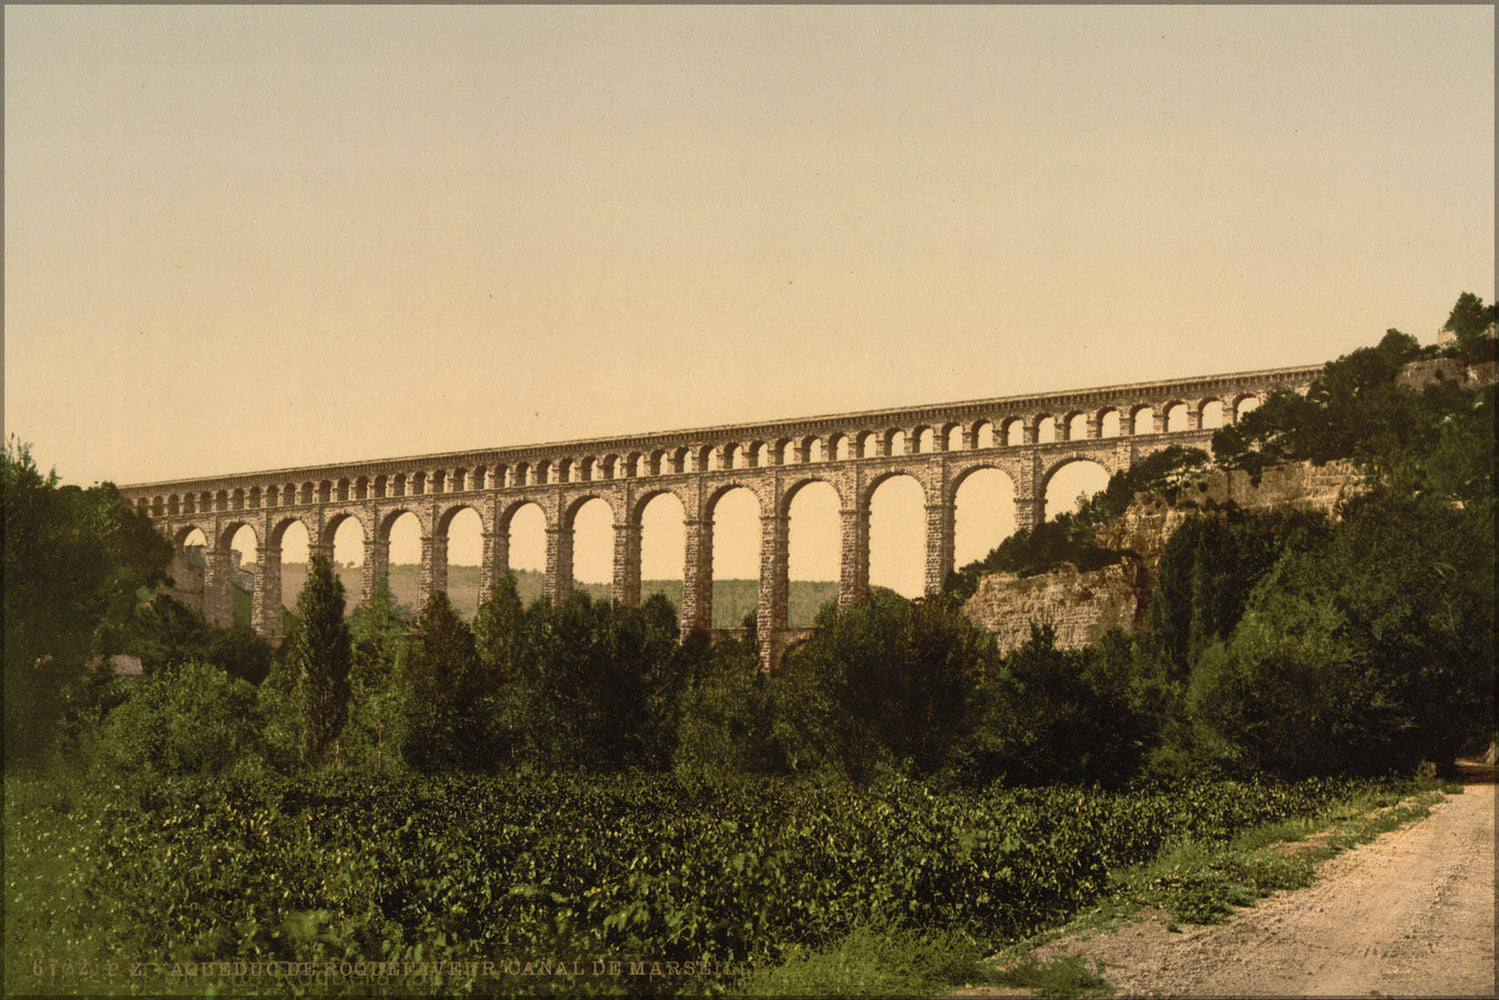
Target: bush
{"points": [[191, 718], [884, 683], [728, 714], [1369, 653], [1063, 716]]}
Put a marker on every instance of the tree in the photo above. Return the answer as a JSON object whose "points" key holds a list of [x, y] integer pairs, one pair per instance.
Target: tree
{"points": [[75, 564], [320, 658], [1472, 323], [602, 683], [727, 722], [1063, 715], [1369, 653], [452, 710], [377, 673], [1356, 409], [1208, 569], [500, 633], [885, 682]]}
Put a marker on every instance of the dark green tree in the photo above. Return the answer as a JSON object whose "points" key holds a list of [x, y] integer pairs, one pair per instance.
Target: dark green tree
{"points": [[1207, 571], [452, 708], [445, 660], [500, 633], [1369, 653], [601, 684], [1356, 409], [76, 562], [884, 683], [380, 638], [320, 658], [378, 680], [727, 720], [1472, 322], [1063, 715]]}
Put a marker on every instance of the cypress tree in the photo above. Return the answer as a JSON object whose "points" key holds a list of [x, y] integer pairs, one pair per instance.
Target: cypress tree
{"points": [[321, 657]]}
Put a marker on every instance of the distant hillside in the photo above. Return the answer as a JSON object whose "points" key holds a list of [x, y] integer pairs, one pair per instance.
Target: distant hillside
{"points": [[732, 599]]}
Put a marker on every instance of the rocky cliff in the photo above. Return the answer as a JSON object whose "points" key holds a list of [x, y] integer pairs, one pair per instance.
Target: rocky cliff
{"points": [[1083, 607]]}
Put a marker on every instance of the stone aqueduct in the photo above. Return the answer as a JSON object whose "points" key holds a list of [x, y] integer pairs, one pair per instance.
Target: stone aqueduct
{"points": [[1027, 437]]}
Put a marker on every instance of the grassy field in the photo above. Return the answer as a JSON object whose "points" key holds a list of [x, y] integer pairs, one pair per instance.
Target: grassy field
{"points": [[732, 599]]}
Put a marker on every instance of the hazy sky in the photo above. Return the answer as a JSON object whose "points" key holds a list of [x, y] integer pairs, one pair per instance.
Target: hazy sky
{"points": [[256, 237]]}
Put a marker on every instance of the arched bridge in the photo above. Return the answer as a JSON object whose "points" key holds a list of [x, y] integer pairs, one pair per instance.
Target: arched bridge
{"points": [[1027, 437]]}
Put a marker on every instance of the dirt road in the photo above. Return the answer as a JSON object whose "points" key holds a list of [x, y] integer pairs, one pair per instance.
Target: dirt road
{"points": [[1410, 913]]}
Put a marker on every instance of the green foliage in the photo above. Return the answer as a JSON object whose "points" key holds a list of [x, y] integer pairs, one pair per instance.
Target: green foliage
{"points": [[321, 652], [727, 721], [76, 562], [500, 632], [1369, 653], [164, 632], [188, 718], [601, 683], [1473, 323], [355, 867], [874, 959], [1072, 536], [378, 682], [1209, 566], [1357, 409], [1054, 715], [451, 707], [884, 683], [1059, 976]]}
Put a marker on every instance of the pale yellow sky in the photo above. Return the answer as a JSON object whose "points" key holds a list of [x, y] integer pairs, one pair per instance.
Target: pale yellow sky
{"points": [[255, 237]]}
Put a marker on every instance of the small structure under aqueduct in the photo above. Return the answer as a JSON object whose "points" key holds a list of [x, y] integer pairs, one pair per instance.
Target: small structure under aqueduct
{"points": [[1027, 437]]}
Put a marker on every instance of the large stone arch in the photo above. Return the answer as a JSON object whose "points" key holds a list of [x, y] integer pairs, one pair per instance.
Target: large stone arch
{"points": [[575, 501], [390, 515], [960, 474], [508, 510], [643, 499], [444, 516], [179, 535], [717, 490], [931, 487], [231, 527], [1108, 460], [363, 518], [278, 526], [789, 491]]}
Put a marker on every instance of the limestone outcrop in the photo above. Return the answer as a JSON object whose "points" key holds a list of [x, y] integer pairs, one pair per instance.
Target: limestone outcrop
{"points": [[1085, 606]]}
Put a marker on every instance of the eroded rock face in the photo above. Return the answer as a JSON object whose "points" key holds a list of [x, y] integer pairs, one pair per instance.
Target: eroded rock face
{"points": [[1083, 607]]}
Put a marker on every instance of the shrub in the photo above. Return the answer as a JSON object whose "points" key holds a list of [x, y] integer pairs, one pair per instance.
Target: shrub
{"points": [[1063, 716], [885, 682], [192, 718], [727, 716]]}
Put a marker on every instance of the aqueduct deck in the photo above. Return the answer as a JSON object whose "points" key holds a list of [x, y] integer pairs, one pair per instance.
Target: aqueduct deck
{"points": [[1027, 437]]}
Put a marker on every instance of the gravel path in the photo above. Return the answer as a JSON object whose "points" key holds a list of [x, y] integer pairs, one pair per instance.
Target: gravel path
{"points": [[1411, 913]]}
